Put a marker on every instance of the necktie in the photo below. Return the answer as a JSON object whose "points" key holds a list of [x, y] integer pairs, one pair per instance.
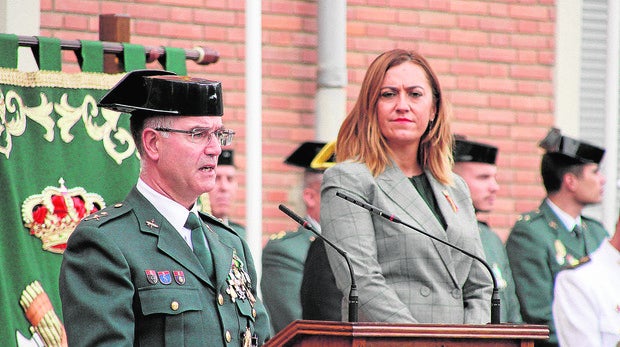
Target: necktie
{"points": [[577, 231], [198, 242]]}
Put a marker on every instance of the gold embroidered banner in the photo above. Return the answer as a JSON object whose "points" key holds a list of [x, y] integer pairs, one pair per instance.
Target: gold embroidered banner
{"points": [[61, 158]]}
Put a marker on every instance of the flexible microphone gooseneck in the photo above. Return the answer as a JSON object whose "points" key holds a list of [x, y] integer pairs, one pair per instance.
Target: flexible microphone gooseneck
{"points": [[495, 300], [353, 299]]}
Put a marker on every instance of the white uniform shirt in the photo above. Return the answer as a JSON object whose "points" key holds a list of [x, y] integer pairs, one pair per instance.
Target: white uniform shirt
{"points": [[586, 306]]}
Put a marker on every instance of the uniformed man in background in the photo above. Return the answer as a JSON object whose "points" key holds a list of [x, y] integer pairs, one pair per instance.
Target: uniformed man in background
{"points": [[556, 235], [222, 197], [475, 163], [153, 271], [285, 253]]}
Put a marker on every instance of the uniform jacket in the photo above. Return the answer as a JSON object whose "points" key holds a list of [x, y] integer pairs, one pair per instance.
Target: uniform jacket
{"points": [[586, 307], [539, 246], [240, 229], [129, 279], [401, 274], [283, 261], [498, 260], [320, 297]]}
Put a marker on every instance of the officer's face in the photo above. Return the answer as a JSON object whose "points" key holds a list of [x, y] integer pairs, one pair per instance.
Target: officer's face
{"points": [[223, 194], [481, 179], [589, 187], [186, 167]]}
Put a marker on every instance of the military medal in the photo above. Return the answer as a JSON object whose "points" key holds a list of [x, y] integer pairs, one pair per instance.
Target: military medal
{"points": [[164, 277], [560, 252], [151, 276], [179, 277], [239, 282]]}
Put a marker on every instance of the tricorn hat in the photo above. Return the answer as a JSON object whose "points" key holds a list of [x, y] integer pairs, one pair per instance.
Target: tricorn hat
{"points": [[470, 151], [580, 151], [313, 156], [226, 157], [158, 92]]}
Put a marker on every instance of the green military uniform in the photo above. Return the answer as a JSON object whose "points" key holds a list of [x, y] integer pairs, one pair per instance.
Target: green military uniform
{"points": [[150, 287], [495, 254], [283, 265], [539, 246], [240, 229]]}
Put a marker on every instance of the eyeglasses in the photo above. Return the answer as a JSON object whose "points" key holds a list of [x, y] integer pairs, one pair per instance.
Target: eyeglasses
{"points": [[203, 136]]}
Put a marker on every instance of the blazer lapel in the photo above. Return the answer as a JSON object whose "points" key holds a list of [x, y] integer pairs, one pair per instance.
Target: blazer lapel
{"points": [[168, 239], [417, 213]]}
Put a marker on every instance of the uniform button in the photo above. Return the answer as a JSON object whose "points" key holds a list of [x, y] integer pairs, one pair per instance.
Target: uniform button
{"points": [[220, 299], [254, 313], [425, 291], [456, 293], [228, 336], [174, 305]]}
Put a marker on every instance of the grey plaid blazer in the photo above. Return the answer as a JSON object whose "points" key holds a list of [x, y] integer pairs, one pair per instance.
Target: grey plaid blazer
{"points": [[402, 275]]}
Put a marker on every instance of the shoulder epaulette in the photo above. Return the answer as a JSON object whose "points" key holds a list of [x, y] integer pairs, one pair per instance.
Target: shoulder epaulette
{"points": [[278, 235], [109, 213], [528, 216]]}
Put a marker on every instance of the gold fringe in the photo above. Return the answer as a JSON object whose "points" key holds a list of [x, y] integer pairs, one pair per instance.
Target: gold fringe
{"points": [[59, 79]]}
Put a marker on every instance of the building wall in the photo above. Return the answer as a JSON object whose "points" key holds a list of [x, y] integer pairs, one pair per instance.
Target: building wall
{"points": [[495, 60]]}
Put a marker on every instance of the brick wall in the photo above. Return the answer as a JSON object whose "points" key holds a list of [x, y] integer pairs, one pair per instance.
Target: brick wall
{"points": [[494, 59]]}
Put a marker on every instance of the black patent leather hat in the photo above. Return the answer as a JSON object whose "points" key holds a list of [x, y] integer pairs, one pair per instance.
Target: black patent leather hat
{"points": [[475, 152], [158, 92], [581, 151]]}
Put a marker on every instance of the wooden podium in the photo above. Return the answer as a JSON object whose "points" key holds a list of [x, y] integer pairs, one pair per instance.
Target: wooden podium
{"points": [[305, 333]]}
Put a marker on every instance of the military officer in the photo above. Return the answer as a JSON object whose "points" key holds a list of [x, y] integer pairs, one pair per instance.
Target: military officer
{"points": [[475, 163], [153, 271], [222, 197], [556, 235], [586, 305], [285, 253]]}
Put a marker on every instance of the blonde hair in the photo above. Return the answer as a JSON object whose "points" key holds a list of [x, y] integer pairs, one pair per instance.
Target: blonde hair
{"points": [[360, 139]]}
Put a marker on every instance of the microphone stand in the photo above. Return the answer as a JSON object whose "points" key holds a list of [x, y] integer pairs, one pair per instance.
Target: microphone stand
{"points": [[495, 300], [353, 298]]}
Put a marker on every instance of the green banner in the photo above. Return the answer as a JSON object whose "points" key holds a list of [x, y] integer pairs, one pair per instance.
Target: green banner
{"points": [[61, 157]]}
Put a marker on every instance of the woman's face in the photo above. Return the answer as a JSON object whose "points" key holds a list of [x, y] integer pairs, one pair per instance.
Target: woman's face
{"points": [[405, 104]]}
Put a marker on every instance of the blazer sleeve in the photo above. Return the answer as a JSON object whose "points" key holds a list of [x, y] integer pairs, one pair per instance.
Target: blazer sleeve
{"points": [[351, 227]]}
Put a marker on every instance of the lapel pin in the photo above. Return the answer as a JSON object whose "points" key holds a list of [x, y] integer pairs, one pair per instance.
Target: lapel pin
{"points": [[450, 201]]}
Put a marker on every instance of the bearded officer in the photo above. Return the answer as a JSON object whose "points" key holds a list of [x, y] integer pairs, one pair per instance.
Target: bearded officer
{"points": [[152, 270]]}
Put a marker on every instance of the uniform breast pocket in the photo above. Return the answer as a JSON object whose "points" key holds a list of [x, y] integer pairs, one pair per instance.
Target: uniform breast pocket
{"points": [[171, 301], [171, 317]]}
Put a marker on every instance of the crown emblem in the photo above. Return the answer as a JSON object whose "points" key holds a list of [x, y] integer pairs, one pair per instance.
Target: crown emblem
{"points": [[53, 215]]}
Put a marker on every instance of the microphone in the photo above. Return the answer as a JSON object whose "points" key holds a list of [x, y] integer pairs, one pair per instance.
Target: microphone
{"points": [[353, 299], [495, 300]]}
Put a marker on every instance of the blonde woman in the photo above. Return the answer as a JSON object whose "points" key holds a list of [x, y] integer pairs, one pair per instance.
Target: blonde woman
{"points": [[394, 151]]}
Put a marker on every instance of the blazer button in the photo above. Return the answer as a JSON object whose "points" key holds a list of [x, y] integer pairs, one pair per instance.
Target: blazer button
{"points": [[228, 336], [425, 291], [174, 305], [254, 313], [220, 299], [456, 293]]}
